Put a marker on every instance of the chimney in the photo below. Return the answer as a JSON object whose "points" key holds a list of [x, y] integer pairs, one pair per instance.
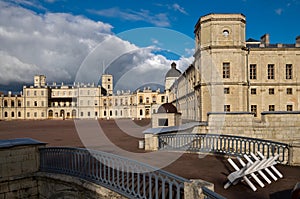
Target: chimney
{"points": [[298, 41], [265, 39]]}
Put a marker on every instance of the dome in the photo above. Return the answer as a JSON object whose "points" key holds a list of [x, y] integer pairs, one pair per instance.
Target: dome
{"points": [[167, 108], [173, 72]]}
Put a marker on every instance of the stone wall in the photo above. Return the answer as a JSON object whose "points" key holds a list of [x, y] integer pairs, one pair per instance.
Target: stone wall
{"points": [[18, 164]]}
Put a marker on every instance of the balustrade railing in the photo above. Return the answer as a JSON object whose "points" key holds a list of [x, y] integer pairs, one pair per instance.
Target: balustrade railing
{"points": [[223, 144], [124, 176]]}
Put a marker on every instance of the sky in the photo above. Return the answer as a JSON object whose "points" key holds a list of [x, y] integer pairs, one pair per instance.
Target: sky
{"points": [[78, 40]]}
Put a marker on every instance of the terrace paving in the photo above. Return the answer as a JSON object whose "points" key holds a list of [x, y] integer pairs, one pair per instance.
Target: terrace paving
{"points": [[210, 167]]}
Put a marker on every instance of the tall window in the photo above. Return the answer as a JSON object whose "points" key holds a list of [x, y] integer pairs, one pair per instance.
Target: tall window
{"points": [[271, 72], [271, 107], [19, 103], [226, 70], [289, 71], [141, 112], [289, 107], [141, 99], [226, 108], [252, 71], [254, 110], [12, 103]]}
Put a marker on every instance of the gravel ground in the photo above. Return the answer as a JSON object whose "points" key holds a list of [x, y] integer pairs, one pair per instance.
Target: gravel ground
{"points": [[210, 168]]}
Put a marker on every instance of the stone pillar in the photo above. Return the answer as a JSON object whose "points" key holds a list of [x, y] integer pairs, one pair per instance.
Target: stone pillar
{"points": [[193, 189], [294, 159], [151, 142]]}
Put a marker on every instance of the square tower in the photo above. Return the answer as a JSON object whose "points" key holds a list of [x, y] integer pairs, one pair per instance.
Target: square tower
{"points": [[107, 83], [39, 81], [220, 59]]}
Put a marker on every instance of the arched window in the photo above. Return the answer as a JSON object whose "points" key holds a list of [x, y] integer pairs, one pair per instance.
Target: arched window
{"points": [[19, 114], [5, 114], [12, 114], [50, 114], [12, 103], [5, 103], [141, 111]]}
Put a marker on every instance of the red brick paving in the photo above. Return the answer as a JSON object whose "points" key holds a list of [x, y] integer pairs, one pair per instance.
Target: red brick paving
{"points": [[210, 168]]}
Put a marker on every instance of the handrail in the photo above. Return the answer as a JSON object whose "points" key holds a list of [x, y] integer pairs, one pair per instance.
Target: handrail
{"points": [[124, 176], [223, 144]]}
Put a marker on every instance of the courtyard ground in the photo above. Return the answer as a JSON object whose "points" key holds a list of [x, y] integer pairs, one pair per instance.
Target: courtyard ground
{"points": [[210, 168]]}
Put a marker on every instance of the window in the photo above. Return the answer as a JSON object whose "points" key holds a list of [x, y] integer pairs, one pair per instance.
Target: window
{"points": [[89, 114], [226, 70], [121, 113], [289, 107], [34, 93], [5, 103], [163, 122], [226, 91], [141, 99], [19, 103], [108, 86], [252, 71], [43, 103], [42, 93], [104, 102], [254, 110], [147, 100], [116, 113], [271, 107], [35, 114], [141, 112], [253, 91], [28, 114], [225, 33], [28, 93], [19, 114], [271, 91], [154, 99], [12, 103], [96, 113], [147, 111], [43, 114], [162, 99], [28, 103], [226, 108], [12, 114], [110, 113], [116, 102], [5, 114], [271, 72], [289, 91], [81, 114], [104, 113], [35, 103], [289, 71]]}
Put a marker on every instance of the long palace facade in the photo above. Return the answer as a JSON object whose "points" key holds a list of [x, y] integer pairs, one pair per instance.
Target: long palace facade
{"points": [[229, 74]]}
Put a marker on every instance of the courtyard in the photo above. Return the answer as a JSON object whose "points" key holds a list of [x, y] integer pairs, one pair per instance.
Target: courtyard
{"points": [[191, 166]]}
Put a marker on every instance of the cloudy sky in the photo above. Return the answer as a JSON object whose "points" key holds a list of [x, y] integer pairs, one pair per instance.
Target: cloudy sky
{"points": [[76, 40]]}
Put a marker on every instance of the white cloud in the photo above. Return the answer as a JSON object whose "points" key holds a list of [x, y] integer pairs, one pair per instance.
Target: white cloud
{"points": [[65, 48], [160, 19], [178, 8], [279, 11], [53, 43]]}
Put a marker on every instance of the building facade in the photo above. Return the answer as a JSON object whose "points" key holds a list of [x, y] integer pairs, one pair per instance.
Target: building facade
{"points": [[79, 101], [232, 74]]}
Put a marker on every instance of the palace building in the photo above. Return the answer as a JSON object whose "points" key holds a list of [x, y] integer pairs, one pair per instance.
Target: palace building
{"points": [[79, 101], [229, 74], [232, 74]]}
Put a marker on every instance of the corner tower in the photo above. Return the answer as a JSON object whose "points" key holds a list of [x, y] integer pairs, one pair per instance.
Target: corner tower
{"points": [[220, 58]]}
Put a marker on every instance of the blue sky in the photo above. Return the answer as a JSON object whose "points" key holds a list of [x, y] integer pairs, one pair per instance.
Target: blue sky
{"points": [[76, 40], [277, 17]]}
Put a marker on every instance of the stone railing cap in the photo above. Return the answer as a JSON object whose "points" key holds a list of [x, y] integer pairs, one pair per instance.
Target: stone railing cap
{"points": [[19, 142]]}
